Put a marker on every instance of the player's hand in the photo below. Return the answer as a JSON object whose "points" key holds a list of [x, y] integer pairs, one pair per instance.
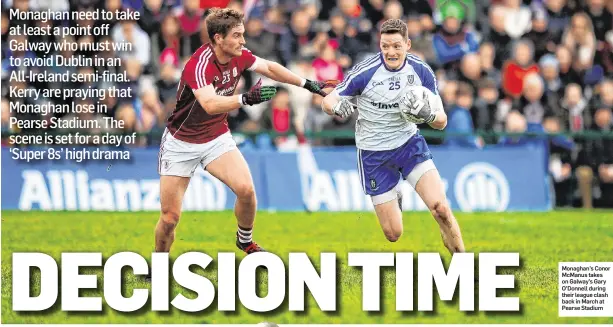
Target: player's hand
{"points": [[417, 109], [344, 108], [318, 87], [258, 94]]}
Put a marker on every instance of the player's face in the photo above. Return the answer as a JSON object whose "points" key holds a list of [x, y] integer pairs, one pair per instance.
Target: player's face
{"points": [[233, 43], [394, 48]]}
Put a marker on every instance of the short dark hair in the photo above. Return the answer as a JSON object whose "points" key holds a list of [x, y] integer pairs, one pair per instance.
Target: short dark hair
{"points": [[487, 83], [392, 26], [221, 21], [465, 89]]}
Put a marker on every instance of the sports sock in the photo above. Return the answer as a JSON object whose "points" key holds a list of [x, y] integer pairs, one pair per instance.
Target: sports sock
{"points": [[244, 235]]}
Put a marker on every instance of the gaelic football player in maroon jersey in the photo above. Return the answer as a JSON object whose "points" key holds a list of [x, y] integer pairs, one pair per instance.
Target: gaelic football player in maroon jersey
{"points": [[197, 133]]}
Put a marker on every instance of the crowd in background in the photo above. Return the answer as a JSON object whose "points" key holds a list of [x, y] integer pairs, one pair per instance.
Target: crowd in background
{"points": [[543, 66]]}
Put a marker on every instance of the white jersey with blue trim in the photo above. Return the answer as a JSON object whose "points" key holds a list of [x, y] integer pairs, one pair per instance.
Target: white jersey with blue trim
{"points": [[378, 90]]}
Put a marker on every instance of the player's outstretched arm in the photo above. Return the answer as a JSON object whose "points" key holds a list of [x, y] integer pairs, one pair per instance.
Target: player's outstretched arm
{"points": [[281, 74], [218, 104]]}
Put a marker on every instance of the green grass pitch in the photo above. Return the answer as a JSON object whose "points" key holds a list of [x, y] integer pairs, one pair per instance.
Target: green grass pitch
{"points": [[542, 239]]}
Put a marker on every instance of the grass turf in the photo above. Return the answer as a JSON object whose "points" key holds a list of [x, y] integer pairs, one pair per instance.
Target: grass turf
{"points": [[542, 239]]}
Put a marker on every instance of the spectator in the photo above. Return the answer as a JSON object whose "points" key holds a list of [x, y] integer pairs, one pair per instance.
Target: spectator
{"points": [[261, 42], [580, 39], [150, 113], [559, 16], [189, 16], [169, 38], [596, 159], [487, 55], [453, 41], [299, 39], [279, 118], [339, 124], [603, 122], [355, 16], [575, 116], [374, 9], [605, 93], [326, 67], [460, 120], [167, 84], [550, 70], [129, 32], [449, 94], [486, 105], [515, 123], [393, 10], [349, 45], [517, 68], [275, 21], [300, 98], [152, 14], [532, 103], [540, 36], [190, 19], [421, 42], [567, 73], [560, 158], [127, 114], [497, 35], [316, 119], [468, 7], [470, 70], [517, 18], [600, 17], [422, 10]]}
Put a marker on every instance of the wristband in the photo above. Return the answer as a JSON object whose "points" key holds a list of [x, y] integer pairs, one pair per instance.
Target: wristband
{"points": [[433, 119], [240, 99], [302, 82]]}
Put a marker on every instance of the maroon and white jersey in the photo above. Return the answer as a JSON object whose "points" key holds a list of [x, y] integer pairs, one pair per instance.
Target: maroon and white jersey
{"points": [[189, 121]]}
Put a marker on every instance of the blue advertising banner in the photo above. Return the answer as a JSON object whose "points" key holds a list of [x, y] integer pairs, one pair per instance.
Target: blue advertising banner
{"points": [[492, 179]]}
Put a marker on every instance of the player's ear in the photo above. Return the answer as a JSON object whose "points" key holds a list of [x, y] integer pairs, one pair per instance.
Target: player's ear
{"points": [[409, 44]]}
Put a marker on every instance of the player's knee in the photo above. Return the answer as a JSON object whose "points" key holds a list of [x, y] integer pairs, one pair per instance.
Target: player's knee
{"points": [[170, 217], [441, 212], [245, 192], [392, 234]]}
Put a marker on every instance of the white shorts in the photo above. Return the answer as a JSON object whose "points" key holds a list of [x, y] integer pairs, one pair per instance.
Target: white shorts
{"points": [[180, 158]]}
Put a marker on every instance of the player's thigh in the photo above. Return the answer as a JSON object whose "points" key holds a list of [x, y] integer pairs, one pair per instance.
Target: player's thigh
{"points": [[172, 190], [429, 186], [179, 158], [390, 216], [376, 173], [379, 181], [232, 169]]}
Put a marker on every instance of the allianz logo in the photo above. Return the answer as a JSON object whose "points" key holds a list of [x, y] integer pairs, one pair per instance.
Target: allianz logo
{"points": [[481, 186], [341, 190], [477, 187], [75, 190]]}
